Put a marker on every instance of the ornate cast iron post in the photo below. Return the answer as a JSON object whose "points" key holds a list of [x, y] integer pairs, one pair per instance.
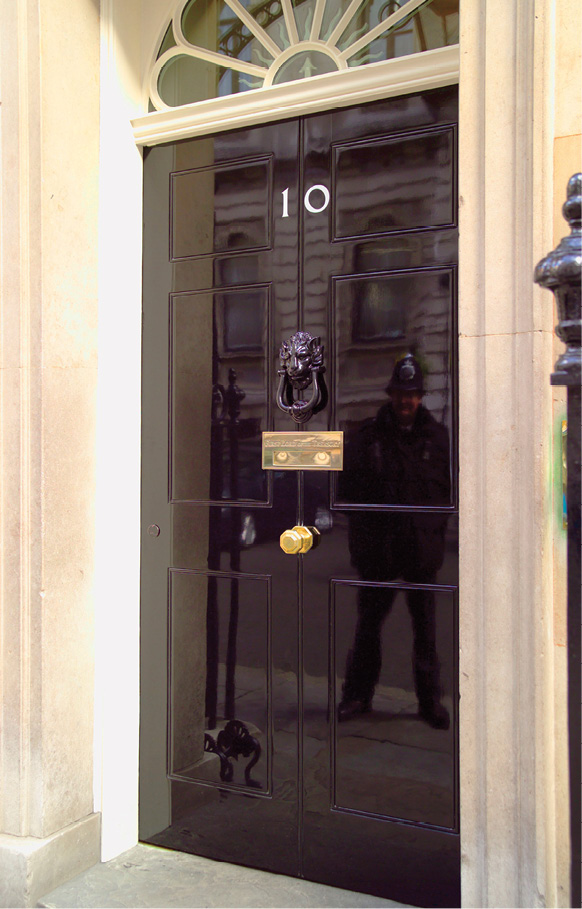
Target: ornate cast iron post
{"points": [[560, 273]]}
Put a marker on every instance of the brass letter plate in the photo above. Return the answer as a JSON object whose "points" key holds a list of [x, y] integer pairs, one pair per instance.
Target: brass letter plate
{"points": [[303, 450]]}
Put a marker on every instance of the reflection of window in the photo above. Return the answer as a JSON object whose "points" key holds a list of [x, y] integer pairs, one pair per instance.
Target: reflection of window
{"points": [[221, 208], [379, 314], [243, 322]]}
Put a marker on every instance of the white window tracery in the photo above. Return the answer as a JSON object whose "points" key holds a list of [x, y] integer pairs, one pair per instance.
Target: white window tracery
{"points": [[214, 48]]}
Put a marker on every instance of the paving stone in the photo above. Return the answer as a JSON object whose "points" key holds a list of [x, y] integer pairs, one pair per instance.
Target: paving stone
{"points": [[148, 877]]}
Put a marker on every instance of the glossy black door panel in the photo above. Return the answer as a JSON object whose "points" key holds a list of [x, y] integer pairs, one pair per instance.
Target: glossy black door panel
{"points": [[300, 713], [417, 195], [395, 766], [213, 419], [193, 235], [395, 115], [408, 862], [375, 317], [406, 250], [193, 596]]}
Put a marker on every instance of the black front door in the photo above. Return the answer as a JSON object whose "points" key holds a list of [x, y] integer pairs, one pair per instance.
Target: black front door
{"points": [[299, 711]]}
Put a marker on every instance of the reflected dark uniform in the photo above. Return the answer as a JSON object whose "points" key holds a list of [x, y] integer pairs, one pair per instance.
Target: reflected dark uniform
{"points": [[401, 457]]}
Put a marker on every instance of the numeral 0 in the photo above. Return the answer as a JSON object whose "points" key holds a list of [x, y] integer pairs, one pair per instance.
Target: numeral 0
{"points": [[317, 187]]}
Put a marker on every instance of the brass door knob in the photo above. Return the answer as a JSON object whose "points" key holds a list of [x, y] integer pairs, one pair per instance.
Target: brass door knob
{"points": [[299, 540]]}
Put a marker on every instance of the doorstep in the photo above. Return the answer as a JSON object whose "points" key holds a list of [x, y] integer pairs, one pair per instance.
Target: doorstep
{"points": [[148, 876]]}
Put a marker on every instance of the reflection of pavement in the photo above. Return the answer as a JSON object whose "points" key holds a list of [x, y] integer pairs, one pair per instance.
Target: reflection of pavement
{"points": [[387, 762], [332, 560]]}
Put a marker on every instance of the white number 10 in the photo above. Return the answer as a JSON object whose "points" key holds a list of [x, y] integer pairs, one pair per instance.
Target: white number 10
{"points": [[318, 187]]}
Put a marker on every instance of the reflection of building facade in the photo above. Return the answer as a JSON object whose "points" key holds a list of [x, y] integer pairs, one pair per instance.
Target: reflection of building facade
{"points": [[70, 401]]}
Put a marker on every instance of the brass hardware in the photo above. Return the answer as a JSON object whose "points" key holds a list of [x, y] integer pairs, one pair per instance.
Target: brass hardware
{"points": [[299, 540], [303, 450]]}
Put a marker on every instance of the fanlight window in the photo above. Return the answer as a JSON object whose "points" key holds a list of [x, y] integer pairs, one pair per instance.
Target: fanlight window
{"points": [[221, 47]]}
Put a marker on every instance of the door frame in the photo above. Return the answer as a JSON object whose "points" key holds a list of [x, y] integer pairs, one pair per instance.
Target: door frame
{"points": [[377, 81], [505, 155]]}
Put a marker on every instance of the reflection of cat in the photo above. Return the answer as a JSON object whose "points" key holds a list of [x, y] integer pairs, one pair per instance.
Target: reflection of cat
{"points": [[301, 364]]}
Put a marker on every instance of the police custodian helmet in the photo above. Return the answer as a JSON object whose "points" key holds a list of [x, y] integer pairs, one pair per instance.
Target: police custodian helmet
{"points": [[407, 376]]}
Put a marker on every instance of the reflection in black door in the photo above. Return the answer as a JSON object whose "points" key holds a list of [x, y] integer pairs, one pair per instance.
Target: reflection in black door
{"points": [[299, 712]]}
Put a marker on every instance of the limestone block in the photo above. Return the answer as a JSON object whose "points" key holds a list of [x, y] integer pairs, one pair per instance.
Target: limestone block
{"points": [[567, 161], [568, 91], [31, 867]]}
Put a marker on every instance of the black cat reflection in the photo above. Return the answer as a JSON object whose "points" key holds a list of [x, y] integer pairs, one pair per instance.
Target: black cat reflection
{"points": [[400, 457]]}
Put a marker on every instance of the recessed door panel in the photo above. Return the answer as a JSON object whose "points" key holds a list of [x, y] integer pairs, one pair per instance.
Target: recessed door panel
{"points": [[218, 226], [204, 601], [409, 183], [378, 317], [216, 426], [395, 766], [299, 711]]}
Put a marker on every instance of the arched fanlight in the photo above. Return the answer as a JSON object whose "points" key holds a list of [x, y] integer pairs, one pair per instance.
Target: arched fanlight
{"points": [[220, 47]]}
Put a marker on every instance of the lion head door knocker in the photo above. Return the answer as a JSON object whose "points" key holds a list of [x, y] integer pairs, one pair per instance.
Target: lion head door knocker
{"points": [[301, 367]]}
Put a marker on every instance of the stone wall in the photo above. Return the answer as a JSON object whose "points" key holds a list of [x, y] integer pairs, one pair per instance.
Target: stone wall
{"points": [[48, 366]]}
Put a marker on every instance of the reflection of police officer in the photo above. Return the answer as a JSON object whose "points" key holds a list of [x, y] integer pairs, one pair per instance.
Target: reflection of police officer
{"points": [[401, 457]]}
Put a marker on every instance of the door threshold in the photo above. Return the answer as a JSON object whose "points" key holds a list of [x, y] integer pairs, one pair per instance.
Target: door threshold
{"points": [[149, 876]]}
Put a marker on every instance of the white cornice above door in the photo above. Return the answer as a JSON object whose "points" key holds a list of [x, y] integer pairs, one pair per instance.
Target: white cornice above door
{"points": [[399, 76]]}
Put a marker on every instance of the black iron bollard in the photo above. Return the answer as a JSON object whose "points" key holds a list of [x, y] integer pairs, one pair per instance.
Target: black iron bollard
{"points": [[560, 273]]}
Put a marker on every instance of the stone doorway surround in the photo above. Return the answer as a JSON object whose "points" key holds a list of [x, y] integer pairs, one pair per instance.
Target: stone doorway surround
{"points": [[70, 435]]}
